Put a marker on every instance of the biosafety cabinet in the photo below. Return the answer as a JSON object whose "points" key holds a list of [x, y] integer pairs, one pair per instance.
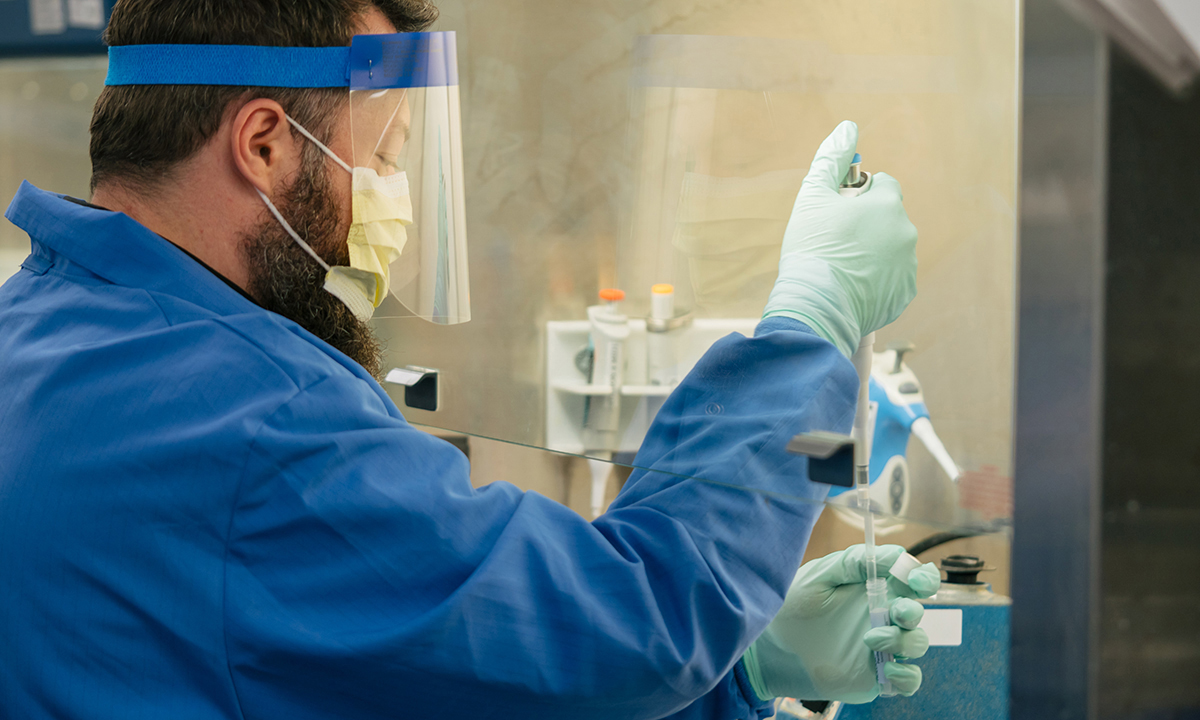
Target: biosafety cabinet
{"points": [[629, 171]]}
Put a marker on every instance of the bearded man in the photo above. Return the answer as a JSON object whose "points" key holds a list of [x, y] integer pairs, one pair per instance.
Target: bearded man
{"points": [[209, 508]]}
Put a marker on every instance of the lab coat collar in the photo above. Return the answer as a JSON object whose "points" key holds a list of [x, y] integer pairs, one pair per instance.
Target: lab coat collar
{"points": [[121, 250]]}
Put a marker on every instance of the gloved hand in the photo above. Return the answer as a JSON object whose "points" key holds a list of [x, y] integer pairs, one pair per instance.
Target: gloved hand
{"points": [[820, 645], [848, 264]]}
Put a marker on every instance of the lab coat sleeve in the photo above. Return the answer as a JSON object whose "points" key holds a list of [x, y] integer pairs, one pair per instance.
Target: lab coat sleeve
{"points": [[366, 578]]}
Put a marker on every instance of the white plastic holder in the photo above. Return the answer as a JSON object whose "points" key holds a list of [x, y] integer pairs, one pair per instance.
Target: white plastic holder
{"points": [[568, 388]]}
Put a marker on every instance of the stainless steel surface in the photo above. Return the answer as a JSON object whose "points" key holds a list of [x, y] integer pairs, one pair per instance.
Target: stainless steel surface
{"points": [[1059, 367], [1150, 565]]}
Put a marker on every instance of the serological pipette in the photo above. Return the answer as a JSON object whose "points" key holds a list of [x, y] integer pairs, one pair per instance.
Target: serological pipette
{"points": [[858, 181], [877, 601]]}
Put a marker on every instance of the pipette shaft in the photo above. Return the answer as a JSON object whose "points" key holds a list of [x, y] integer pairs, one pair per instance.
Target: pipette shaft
{"points": [[877, 603]]}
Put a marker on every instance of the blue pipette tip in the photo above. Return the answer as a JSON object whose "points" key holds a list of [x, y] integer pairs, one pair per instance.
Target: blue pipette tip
{"points": [[857, 159]]}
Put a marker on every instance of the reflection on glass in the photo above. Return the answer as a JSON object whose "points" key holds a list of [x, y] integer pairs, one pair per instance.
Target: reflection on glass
{"points": [[382, 124], [651, 157]]}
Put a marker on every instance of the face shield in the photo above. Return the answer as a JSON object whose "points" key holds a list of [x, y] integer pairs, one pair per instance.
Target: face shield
{"points": [[407, 241]]}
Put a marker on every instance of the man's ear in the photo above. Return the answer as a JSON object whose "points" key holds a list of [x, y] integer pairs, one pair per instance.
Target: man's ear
{"points": [[264, 150]]}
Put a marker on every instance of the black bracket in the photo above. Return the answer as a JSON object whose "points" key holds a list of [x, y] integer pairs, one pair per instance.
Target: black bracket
{"points": [[830, 457], [420, 386]]}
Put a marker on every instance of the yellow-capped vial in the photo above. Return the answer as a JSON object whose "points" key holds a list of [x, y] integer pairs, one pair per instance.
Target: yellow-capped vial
{"points": [[662, 301]]}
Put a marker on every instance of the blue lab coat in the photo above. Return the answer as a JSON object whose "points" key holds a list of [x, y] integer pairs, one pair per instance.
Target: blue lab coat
{"points": [[207, 512]]}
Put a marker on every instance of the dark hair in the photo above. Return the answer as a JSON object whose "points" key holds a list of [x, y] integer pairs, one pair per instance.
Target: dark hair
{"points": [[140, 132]]}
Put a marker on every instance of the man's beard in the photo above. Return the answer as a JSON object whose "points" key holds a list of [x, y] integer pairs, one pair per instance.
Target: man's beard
{"points": [[287, 280]]}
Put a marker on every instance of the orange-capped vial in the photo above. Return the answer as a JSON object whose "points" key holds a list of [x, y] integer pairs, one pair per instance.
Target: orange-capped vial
{"points": [[612, 294]]}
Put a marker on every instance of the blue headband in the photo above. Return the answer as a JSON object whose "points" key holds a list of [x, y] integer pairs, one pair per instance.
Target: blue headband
{"points": [[399, 60]]}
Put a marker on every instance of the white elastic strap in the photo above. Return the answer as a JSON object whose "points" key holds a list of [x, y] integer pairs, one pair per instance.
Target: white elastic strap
{"points": [[290, 231], [320, 144]]}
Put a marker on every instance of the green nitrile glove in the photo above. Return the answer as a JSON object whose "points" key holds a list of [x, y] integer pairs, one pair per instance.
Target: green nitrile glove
{"points": [[820, 645], [848, 265]]}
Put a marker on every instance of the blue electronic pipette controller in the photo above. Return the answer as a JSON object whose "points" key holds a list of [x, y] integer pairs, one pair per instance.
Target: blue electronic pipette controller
{"points": [[898, 412]]}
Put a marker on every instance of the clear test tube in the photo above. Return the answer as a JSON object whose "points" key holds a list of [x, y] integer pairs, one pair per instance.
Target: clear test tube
{"points": [[877, 605]]}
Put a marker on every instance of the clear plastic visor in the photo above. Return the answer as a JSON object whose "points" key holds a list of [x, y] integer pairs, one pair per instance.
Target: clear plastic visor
{"points": [[417, 132]]}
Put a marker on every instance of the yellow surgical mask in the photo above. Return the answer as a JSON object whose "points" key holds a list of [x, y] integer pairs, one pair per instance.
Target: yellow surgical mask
{"points": [[380, 208]]}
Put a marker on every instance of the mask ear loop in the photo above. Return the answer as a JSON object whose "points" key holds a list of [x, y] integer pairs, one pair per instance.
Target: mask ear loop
{"points": [[290, 231], [300, 129], [274, 211]]}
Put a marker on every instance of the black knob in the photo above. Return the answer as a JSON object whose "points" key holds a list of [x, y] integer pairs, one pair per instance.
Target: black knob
{"points": [[962, 569]]}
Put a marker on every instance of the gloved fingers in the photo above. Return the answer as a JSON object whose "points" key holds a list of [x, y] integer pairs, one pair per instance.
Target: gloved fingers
{"points": [[899, 589], [910, 644], [832, 161], [905, 679], [923, 582], [885, 184], [849, 567], [906, 613]]}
